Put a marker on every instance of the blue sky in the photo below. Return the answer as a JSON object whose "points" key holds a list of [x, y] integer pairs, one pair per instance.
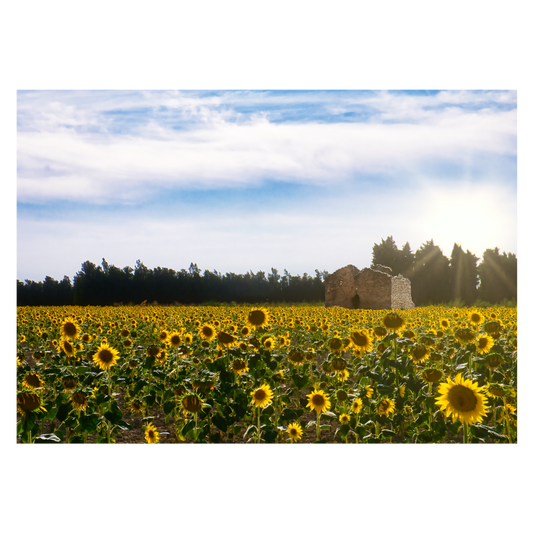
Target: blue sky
{"points": [[249, 180]]}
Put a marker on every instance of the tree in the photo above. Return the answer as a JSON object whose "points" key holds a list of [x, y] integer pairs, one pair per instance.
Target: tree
{"points": [[430, 283], [464, 275], [498, 276]]}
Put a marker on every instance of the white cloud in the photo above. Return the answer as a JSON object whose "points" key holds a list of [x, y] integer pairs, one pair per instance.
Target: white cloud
{"points": [[222, 152]]}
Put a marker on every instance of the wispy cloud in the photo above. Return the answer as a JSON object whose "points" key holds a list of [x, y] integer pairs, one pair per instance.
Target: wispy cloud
{"points": [[248, 180], [76, 151]]}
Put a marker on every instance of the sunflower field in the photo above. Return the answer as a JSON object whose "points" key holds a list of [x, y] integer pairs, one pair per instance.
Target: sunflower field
{"points": [[132, 374]]}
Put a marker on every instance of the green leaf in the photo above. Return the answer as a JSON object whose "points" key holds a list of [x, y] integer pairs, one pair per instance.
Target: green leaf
{"points": [[189, 426], [89, 423], [328, 414], [220, 423], [168, 407]]}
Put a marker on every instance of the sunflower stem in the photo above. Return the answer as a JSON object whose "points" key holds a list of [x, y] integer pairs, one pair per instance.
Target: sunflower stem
{"points": [[318, 427], [258, 425], [465, 433]]}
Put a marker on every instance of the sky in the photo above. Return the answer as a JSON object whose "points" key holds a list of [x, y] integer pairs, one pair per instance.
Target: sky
{"points": [[249, 180]]}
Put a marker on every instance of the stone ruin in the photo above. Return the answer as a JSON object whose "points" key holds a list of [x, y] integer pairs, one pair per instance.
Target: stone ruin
{"points": [[370, 288]]}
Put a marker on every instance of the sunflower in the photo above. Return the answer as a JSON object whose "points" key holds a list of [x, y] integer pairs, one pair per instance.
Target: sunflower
{"points": [[245, 331], [318, 401], [226, 340], [493, 362], [191, 403], [163, 335], [484, 344], [379, 332], [343, 375], [335, 344], [431, 375], [69, 383], [67, 347], [105, 357], [369, 391], [296, 357], [262, 396], [153, 350], [151, 434], [361, 340], [344, 419], [207, 332], [174, 339], [462, 399], [357, 405], [79, 401], [269, 343], [28, 401], [294, 431], [386, 407], [419, 353], [136, 406], [476, 318], [239, 366], [465, 335], [257, 318], [393, 321], [69, 329], [338, 364], [32, 380]]}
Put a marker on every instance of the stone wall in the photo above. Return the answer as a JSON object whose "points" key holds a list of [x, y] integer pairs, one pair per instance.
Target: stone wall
{"points": [[374, 289], [401, 294], [370, 288], [341, 287]]}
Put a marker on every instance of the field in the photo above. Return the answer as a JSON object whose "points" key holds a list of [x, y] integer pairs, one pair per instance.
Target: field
{"points": [[132, 374]]}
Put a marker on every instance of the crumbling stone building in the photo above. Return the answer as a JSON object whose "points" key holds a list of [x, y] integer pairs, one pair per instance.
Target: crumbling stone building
{"points": [[370, 288]]}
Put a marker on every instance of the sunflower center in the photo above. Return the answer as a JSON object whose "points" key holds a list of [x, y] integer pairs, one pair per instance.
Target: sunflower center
{"points": [[318, 400], [358, 339], [70, 329], [105, 356], [257, 317], [462, 398], [260, 395]]}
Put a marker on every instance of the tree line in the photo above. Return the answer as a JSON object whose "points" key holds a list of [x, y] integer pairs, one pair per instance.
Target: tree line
{"points": [[435, 279]]}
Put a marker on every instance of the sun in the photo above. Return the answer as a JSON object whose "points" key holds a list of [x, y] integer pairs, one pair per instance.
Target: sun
{"points": [[463, 400]]}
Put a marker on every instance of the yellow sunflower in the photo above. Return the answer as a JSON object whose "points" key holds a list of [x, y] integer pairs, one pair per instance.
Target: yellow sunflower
{"points": [[226, 340], [386, 407], [361, 340], [257, 318], [484, 344], [192, 403], [207, 332], [296, 357], [32, 380], [318, 401], [294, 431], [462, 399], [28, 401], [70, 329], [357, 405], [465, 335], [344, 419], [262, 396], [269, 343], [419, 353], [239, 366], [151, 434], [67, 347], [476, 318], [79, 401], [393, 321], [431, 375], [105, 357], [335, 344], [174, 339]]}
